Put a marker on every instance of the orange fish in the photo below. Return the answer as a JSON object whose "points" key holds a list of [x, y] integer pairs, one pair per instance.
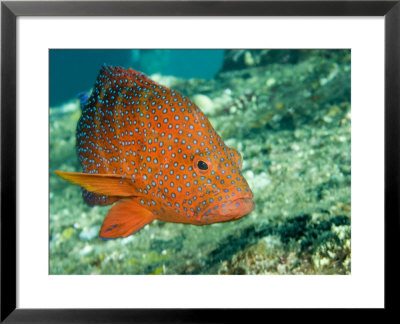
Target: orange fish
{"points": [[153, 153]]}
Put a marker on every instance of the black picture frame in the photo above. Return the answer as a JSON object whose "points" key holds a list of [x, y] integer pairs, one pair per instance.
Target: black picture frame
{"points": [[10, 10]]}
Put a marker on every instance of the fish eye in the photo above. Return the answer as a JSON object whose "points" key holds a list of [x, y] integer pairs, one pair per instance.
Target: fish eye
{"points": [[202, 165]]}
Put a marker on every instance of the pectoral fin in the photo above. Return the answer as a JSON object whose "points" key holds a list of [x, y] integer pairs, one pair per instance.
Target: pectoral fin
{"points": [[125, 218], [103, 184]]}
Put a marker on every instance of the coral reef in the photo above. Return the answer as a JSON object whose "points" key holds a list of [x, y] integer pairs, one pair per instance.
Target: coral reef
{"points": [[303, 245]]}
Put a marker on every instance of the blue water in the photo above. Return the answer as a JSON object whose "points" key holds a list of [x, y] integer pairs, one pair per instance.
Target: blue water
{"points": [[73, 70]]}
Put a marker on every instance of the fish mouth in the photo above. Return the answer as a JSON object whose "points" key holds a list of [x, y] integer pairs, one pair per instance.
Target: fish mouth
{"points": [[228, 210]]}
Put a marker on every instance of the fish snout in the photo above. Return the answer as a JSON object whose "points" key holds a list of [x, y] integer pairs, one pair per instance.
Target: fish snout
{"points": [[229, 210]]}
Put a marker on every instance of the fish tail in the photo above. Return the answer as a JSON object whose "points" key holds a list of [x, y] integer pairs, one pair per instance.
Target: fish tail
{"points": [[83, 99]]}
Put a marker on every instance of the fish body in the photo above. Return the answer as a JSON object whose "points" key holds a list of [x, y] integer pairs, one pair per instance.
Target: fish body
{"points": [[154, 154]]}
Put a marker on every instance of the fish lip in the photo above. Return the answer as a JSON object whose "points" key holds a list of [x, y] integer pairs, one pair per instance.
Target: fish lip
{"points": [[220, 217]]}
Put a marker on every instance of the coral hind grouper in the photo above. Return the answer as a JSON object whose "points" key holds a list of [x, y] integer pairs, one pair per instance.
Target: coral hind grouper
{"points": [[154, 154]]}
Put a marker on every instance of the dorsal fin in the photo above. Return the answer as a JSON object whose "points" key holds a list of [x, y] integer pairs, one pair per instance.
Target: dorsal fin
{"points": [[110, 81]]}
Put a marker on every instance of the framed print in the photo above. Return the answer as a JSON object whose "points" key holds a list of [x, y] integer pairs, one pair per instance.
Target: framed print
{"points": [[164, 158]]}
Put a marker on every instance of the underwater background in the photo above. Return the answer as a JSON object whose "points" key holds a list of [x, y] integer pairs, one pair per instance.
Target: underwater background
{"points": [[286, 111]]}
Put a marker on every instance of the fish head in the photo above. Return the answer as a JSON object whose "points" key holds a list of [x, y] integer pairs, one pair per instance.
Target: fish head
{"points": [[201, 175], [224, 193]]}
